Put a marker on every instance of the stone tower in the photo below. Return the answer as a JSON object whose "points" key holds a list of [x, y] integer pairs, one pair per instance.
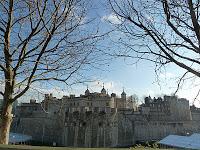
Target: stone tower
{"points": [[87, 92], [123, 95], [103, 91]]}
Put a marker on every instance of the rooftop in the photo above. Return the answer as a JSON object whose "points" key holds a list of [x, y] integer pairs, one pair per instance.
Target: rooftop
{"points": [[186, 142]]}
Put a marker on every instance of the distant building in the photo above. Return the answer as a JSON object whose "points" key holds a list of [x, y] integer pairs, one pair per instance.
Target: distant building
{"points": [[97, 119], [169, 108], [95, 102], [28, 109]]}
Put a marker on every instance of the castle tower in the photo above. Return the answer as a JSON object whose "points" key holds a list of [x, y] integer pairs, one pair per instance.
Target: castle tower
{"points": [[87, 92], [103, 91], [123, 95]]}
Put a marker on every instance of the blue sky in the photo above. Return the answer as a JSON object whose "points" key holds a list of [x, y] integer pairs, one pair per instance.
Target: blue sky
{"points": [[139, 79]]}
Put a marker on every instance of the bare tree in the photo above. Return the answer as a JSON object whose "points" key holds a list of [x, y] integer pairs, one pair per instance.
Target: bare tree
{"points": [[43, 40], [161, 31], [133, 101]]}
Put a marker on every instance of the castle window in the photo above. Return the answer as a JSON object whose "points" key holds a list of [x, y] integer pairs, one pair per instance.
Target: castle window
{"points": [[107, 104], [88, 104], [100, 124], [84, 124], [74, 104], [66, 114], [77, 104]]}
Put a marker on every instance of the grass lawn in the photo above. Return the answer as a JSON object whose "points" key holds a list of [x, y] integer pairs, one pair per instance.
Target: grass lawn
{"points": [[26, 147]]}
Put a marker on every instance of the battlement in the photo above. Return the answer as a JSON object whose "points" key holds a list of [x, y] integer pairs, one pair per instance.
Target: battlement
{"points": [[93, 120], [166, 108]]}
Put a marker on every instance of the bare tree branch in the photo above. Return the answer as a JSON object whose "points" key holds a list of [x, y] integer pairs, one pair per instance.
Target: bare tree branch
{"points": [[179, 82], [171, 26], [43, 41], [1, 93]]}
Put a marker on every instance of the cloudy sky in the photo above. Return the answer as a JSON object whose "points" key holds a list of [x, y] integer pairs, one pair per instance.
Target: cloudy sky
{"points": [[139, 79]]}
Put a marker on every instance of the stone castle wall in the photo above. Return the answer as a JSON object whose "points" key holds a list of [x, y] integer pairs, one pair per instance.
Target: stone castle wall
{"points": [[119, 129], [98, 130], [42, 129], [78, 124], [156, 130]]}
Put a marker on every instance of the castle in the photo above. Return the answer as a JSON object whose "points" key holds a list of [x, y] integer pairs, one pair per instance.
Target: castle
{"points": [[103, 120]]}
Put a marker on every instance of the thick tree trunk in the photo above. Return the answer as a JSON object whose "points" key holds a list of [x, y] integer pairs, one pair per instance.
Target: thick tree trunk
{"points": [[5, 122]]}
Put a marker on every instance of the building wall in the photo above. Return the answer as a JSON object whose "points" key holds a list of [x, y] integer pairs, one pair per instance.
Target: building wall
{"points": [[195, 113], [43, 129], [156, 130], [179, 109], [98, 130], [170, 108], [100, 125]]}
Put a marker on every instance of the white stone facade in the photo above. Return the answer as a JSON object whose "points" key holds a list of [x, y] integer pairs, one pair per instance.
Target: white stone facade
{"points": [[103, 120], [95, 102]]}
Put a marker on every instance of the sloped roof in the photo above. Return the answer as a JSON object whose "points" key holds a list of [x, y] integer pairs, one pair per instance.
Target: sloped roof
{"points": [[16, 138], [189, 142]]}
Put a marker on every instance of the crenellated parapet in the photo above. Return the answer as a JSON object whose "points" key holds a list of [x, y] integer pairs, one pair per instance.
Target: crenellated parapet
{"points": [[103, 120]]}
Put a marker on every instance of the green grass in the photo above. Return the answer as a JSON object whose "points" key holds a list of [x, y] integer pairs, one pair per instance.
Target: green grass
{"points": [[26, 147]]}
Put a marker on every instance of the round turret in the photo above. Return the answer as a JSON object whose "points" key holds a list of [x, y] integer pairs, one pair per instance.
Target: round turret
{"points": [[87, 92], [103, 91], [123, 95], [147, 100], [113, 95]]}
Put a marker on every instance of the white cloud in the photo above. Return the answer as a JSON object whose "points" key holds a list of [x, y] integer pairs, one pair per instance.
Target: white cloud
{"points": [[114, 19]]}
